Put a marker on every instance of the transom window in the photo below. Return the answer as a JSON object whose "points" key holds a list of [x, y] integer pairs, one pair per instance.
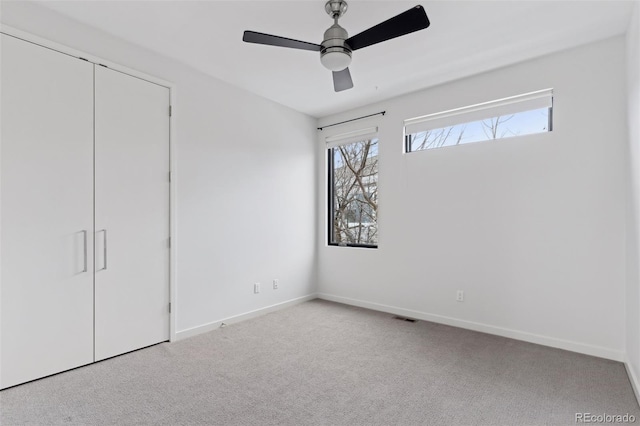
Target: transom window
{"points": [[514, 116]]}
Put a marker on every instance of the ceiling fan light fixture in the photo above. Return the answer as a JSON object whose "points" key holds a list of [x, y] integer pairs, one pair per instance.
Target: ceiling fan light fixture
{"points": [[336, 58], [335, 54]]}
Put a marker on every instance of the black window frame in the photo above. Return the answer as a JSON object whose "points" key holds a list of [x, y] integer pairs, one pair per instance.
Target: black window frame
{"points": [[331, 205]]}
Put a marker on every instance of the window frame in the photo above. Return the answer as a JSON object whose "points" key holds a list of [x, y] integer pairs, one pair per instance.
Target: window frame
{"points": [[331, 192], [498, 105]]}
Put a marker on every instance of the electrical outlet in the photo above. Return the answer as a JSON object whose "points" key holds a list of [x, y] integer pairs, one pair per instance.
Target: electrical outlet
{"points": [[460, 296], [256, 288], [276, 283]]}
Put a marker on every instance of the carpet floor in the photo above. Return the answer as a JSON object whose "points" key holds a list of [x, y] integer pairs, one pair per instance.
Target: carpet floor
{"points": [[323, 363]]}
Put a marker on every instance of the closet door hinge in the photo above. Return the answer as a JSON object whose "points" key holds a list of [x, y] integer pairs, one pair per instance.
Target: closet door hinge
{"points": [[169, 176], [169, 110], [169, 307], [169, 242]]}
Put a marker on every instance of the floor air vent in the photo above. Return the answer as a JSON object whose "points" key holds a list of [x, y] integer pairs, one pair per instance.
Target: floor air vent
{"points": [[406, 319]]}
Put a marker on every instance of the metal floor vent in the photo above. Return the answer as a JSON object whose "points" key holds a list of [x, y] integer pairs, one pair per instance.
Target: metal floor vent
{"points": [[405, 319]]}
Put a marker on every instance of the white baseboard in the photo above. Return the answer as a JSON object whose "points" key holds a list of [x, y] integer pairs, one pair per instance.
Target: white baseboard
{"points": [[484, 328], [183, 334], [633, 378], [440, 319]]}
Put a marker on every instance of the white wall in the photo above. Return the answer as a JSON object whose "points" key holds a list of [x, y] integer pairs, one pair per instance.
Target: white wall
{"points": [[246, 210], [633, 210], [531, 228]]}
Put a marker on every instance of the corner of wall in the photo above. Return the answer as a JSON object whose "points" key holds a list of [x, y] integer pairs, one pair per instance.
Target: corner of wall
{"points": [[632, 296]]}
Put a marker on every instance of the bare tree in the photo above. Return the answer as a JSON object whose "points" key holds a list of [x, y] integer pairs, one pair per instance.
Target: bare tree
{"points": [[491, 127], [436, 138], [355, 191]]}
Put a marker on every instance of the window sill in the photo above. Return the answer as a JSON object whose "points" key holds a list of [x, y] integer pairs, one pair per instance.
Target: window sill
{"points": [[366, 246]]}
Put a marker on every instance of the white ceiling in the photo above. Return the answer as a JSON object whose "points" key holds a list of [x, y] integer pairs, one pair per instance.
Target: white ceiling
{"points": [[465, 37]]}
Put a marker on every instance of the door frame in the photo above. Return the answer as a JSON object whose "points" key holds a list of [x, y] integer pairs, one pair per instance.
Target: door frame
{"points": [[173, 187]]}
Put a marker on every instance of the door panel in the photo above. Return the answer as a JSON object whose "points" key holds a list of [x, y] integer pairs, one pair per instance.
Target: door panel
{"points": [[132, 207], [46, 213]]}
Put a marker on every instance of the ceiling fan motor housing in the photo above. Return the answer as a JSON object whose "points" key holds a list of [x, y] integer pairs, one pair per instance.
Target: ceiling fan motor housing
{"points": [[335, 53]]}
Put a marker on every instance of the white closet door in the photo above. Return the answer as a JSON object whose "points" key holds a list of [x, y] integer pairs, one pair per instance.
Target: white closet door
{"points": [[46, 188], [132, 213]]}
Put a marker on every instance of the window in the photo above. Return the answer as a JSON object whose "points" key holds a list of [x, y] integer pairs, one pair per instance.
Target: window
{"points": [[353, 189], [515, 116]]}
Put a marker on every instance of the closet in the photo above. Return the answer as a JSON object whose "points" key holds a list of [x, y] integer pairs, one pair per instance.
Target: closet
{"points": [[84, 212]]}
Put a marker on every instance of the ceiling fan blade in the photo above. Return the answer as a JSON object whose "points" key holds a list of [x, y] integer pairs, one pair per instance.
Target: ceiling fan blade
{"points": [[272, 40], [342, 80], [407, 22]]}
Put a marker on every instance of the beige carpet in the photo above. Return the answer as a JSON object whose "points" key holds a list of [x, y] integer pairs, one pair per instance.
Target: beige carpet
{"points": [[322, 363]]}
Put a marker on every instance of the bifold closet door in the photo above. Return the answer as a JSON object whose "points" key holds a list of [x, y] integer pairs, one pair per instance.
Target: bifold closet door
{"points": [[132, 213], [46, 213]]}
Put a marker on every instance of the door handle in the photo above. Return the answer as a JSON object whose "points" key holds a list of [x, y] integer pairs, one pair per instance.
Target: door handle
{"points": [[104, 251], [84, 252]]}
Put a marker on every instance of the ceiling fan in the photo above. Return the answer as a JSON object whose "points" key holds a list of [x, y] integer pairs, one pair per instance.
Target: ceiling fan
{"points": [[336, 47]]}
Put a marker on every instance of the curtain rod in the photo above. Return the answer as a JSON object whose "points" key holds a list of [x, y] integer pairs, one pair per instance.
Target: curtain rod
{"points": [[353, 119]]}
